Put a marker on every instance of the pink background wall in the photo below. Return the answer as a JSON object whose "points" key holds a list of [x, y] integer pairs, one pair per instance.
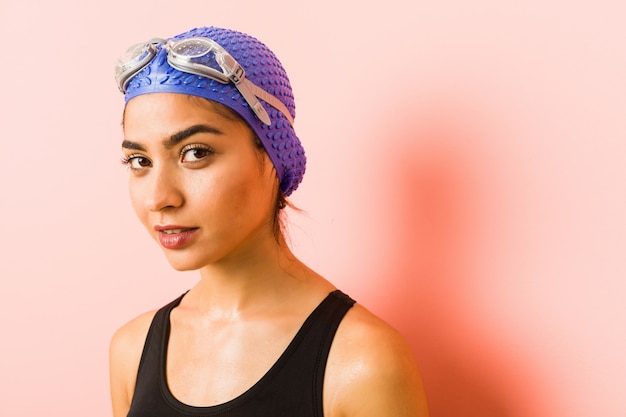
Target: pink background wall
{"points": [[466, 182]]}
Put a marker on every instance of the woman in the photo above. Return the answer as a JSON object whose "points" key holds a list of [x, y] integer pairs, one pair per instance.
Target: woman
{"points": [[212, 155]]}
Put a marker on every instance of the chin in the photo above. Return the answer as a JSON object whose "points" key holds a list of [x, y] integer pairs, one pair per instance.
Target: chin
{"points": [[182, 262], [183, 268]]}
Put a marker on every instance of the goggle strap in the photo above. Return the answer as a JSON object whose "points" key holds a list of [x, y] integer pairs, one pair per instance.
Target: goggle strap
{"points": [[253, 101], [269, 99], [247, 88]]}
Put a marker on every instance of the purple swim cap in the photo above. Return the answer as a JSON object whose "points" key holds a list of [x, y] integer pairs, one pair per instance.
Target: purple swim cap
{"points": [[263, 69]]}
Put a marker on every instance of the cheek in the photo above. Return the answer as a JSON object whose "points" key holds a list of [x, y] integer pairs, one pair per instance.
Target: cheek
{"points": [[261, 185], [248, 195], [137, 199], [230, 194]]}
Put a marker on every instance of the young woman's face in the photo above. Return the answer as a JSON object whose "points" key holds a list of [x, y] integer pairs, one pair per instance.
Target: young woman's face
{"points": [[198, 183]]}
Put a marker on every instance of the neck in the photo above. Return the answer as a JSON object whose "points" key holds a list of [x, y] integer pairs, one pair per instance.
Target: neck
{"points": [[249, 280]]}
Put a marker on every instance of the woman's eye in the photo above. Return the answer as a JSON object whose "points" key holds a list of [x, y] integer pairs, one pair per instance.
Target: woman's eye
{"points": [[195, 154], [136, 162], [140, 162]]}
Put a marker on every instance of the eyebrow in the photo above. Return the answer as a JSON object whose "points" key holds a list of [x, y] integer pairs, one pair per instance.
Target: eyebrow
{"points": [[176, 138]]}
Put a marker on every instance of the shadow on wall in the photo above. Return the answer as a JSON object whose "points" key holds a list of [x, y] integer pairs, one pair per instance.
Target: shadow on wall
{"points": [[437, 186]]}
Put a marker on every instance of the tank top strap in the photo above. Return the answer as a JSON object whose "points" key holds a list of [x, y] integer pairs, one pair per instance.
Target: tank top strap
{"points": [[147, 385], [326, 320]]}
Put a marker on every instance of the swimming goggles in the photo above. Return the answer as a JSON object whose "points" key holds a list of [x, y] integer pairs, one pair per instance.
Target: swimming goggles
{"points": [[198, 56]]}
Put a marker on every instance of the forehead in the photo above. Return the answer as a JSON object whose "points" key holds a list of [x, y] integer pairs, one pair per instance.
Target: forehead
{"points": [[167, 119], [160, 112], [170, 103]]}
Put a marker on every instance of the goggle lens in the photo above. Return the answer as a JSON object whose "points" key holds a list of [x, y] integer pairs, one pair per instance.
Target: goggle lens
{"points": [[129, 59], [133, 53], [134, 60], [197, 51], [192, 48]]}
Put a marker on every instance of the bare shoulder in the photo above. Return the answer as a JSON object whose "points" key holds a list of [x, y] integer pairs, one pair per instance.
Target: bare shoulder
{"points": [[124, 356], [133, 331], [372, 371]]}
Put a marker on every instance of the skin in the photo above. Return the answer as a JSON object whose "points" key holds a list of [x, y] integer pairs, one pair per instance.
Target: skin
{"points": [[252, 289]]}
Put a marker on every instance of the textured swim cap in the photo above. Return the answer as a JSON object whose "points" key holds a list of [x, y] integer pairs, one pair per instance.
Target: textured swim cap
{"points": [[263, 69]]}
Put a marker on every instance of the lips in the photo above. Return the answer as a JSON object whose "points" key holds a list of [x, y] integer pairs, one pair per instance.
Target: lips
{"points": [[174, 237], [173, 231]]}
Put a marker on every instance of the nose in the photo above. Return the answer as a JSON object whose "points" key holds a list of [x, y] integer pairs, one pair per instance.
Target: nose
{"points": [[164, 190]]}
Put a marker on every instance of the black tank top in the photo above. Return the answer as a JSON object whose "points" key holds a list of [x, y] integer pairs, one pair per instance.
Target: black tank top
{"points": [[291, 388]]}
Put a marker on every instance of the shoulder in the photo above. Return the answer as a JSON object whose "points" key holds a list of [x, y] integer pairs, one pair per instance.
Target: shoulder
{"points": [[372, 371], [124, 356], [132, 334]]}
